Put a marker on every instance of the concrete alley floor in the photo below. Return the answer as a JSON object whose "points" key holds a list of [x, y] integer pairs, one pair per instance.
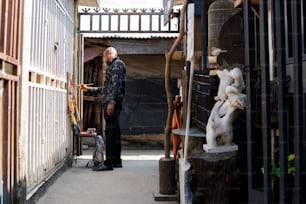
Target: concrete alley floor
{"points": [[135, 183]]}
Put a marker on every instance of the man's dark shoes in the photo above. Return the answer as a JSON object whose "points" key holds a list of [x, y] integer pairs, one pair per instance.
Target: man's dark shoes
{"points": [[118, 165], [102, 167]]}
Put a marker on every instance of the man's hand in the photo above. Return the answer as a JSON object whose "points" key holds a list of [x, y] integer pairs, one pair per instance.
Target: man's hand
{"points": [[83, 87], [110, 109]]}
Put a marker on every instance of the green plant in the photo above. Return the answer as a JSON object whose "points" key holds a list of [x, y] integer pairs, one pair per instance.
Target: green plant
{"points": [[276, 167]]}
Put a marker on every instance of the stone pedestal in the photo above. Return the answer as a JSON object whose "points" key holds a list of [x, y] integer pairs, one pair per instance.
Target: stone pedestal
{"points": [[215, 178], [220, 149]]}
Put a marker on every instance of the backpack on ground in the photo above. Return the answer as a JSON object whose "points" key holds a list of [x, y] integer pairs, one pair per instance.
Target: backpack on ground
{"points": [[98, 154]]}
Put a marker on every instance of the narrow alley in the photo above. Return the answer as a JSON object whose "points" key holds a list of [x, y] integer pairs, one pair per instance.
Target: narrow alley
{"points": [[135, 183]]}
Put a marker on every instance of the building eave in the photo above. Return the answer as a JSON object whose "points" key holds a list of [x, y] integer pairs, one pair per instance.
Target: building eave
{"points": [[89, 3]]}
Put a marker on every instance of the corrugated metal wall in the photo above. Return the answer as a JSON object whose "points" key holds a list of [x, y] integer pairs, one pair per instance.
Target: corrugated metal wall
{"points": [[45, 136], [10, 11]]}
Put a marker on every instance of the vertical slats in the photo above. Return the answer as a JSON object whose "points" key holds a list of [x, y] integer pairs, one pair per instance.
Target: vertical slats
{"points": [[6, 28], [204, 37], [282, 92], [298, 97], [43, 34], [9, 140], [33, 35], [2, 118], [14, 40], [13, 139], [47, 93], [265, 100], [8, 180], [34, 136], [15, 34], [39, 35], [5, 141], [14, 169], [2, 19], [114, 18], [118, 24], [30, 143], [1, 135], [8, 137], [250, 81]]}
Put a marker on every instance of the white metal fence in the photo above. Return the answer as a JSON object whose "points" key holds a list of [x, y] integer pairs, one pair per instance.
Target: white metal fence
{"points": [[45, 136]]}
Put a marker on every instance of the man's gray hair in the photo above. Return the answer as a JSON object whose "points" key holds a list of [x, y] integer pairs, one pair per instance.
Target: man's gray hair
{"points": [[112, 50]]}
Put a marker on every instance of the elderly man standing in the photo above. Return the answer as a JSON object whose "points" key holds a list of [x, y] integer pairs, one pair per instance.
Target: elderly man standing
{"points": [[112, 92]]}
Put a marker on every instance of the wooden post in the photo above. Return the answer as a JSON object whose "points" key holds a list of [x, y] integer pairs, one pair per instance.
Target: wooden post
{"points": [[167, 183], [215, 177]]}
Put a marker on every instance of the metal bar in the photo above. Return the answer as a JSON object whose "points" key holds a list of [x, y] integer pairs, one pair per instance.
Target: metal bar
{"points": [[265, 100], [9, 140], [39, 40], [150, 22], [139, 23], [129, 23], [19, 11], [90, 22], [43, 36], [282, 92], [249, 36], [100, 23], [1, 25], [34, 34], [9, 29], [139, 20], [13, 14], [13, 139], [159, 22], [204, 37], [17, 165], [119, 21], [5, 31], [109, 23], [298, 101], [2, 119], [5, 138], [16, 29]]}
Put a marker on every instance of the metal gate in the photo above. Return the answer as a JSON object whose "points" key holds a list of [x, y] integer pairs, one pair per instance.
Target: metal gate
{"points": [[47, 57], [275, 54], [9, 76]]}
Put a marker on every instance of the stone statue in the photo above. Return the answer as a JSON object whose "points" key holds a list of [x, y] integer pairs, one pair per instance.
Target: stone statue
{"points": [[219, 129]]}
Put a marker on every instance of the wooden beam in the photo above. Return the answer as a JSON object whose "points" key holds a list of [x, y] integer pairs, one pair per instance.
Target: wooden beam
{"points": [[132, 46], [180, 55]]}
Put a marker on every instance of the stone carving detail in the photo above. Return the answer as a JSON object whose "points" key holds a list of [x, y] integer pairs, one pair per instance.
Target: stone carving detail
{"points": [[219, 129]]}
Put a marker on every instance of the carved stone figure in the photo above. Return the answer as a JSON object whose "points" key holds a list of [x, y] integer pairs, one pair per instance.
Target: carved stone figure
{"points": [[219, 129]]}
